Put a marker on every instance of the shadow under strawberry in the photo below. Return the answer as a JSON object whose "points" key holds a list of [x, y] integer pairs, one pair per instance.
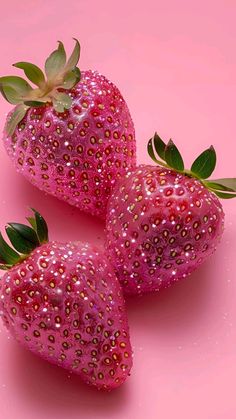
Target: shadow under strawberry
{"points": [[47, 387], [78, 223]]}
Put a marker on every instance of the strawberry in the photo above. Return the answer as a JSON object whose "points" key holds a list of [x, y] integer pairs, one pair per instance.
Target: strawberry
{"points": [[72, 136], [164, 221], [63, 302]]}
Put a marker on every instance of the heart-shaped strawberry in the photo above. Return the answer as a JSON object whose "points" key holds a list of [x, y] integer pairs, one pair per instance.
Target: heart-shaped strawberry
{"points": [[163, 221], [63, 302], [72, 136]]}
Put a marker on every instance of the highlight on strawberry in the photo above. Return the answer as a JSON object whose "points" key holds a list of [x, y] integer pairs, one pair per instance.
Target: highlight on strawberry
{"points": [[64, 303], [72, 134], [164, 221]]}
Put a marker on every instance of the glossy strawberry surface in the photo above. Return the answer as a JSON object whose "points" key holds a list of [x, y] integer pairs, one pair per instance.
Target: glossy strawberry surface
{"points": [[65, 304], [161, 225]]}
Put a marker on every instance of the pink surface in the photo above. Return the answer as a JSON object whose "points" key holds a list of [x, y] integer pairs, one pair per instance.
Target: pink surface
{"points": [[175, 64]]}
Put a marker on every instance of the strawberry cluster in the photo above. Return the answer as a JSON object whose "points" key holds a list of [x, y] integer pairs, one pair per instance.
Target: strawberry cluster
{"points": [[72, 136]]}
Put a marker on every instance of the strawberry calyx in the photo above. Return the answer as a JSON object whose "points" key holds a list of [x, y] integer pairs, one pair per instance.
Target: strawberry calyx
{"points": [[24, 240], [201, 169], [60, 73]]}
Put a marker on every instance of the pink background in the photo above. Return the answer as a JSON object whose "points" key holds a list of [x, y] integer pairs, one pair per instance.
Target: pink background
{"points": [[175, 63]]}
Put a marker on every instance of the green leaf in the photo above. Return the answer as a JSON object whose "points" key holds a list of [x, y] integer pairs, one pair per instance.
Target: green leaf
{"points": [[17, 83], [32, 222], [34, 103], [224, 195], [62, 101], [16, 116], [10, 95], [25, 232], [173, 157], [217, 186], [5, 267], [227, 184], [74, 58], [55, 62], [33, 72], [151, 153], [159, 146], [20, 244], [204, 164], [77, 72], [58, 106], [41, 226], [70, 80], [7, 254]]}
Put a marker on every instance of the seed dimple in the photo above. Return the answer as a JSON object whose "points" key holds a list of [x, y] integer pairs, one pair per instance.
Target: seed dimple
{"points": [[145, 227], [44, 264], [58, 319], [187, 247], [184, 233], [168, 191], [19, 299]]}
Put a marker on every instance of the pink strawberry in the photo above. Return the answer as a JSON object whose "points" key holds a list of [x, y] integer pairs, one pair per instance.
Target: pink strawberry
{"points": [[73, 135], [63, 302], [164, 221]]}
